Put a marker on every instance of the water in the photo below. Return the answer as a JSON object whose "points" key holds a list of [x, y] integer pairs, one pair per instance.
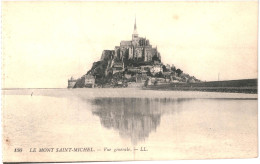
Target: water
{"points": [[170, 127]]}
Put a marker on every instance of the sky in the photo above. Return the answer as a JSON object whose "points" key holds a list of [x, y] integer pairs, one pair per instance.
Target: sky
{"points": [[45, 43]]}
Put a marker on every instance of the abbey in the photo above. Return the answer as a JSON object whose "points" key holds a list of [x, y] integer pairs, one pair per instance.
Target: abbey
{"points": [[134, 63], [138, 49]]}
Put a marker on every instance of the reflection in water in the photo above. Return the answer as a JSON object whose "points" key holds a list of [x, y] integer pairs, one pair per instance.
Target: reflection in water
{"points": [[183, 128], [134, 118]]}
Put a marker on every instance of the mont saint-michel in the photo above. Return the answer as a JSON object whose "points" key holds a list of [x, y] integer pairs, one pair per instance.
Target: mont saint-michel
{"points": [[135, 63], [150, 88]]}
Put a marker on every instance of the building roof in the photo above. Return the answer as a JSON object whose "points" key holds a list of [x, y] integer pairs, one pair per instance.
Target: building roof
{"points": [[125, 43]]}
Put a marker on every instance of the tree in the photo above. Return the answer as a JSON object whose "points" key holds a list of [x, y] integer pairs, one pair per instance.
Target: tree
{"points": [[149, 73], [146, 82], [164, 68], [98, 71], [156, 58], [155, 82], [179, 71], [173, 69], [159, 75]]}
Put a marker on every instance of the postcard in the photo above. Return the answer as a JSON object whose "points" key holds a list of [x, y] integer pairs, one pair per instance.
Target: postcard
{"points": [[129, 81]]}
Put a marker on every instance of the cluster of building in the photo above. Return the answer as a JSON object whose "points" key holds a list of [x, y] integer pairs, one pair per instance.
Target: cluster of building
{"points": [[138, 49], [134, 59], [88, 80]]}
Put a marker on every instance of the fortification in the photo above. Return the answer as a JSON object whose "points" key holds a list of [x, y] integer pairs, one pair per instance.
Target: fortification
{"points": [[132, 63]]}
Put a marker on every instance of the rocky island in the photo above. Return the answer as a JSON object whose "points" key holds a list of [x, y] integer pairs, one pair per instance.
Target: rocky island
{"points": [[135, 63]]}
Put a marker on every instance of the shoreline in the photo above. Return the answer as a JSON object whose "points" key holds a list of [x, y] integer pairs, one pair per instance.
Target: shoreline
{"points": [[126, 93], [248, 86], [245, 90]]}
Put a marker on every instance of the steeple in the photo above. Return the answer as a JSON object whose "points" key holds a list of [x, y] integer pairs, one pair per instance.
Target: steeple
{"points": [[135, 23], [135, 34]]}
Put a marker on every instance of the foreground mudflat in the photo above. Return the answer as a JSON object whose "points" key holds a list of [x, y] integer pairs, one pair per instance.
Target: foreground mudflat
{"points": [[127, 124]]}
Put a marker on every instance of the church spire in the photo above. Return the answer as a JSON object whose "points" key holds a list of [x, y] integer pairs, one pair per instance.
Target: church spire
{"points": [[135, 23], [135, 34], [135, 28]]}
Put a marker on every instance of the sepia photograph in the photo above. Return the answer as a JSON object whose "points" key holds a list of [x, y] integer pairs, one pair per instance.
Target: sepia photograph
{"points": [[129, 80]]}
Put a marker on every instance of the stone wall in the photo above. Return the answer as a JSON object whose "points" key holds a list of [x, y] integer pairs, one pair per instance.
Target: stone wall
{"points": [[71, 83]]}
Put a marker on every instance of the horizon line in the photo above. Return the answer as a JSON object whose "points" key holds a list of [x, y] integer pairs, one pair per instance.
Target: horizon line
{"points": [[81, 88]]}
